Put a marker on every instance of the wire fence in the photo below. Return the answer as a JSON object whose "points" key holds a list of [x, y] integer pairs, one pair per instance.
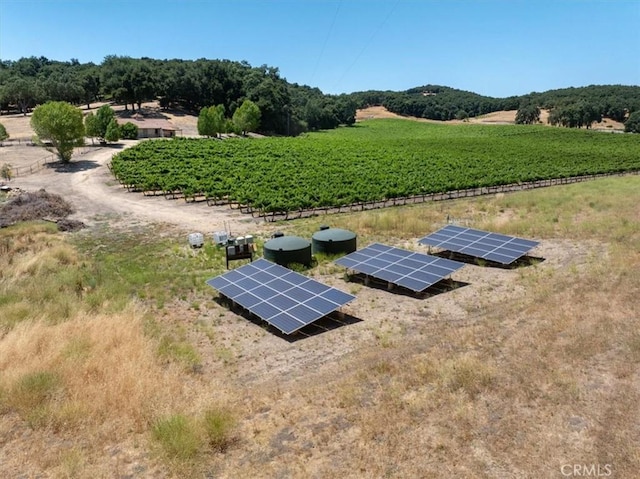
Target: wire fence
{"points": [[18, 171]]}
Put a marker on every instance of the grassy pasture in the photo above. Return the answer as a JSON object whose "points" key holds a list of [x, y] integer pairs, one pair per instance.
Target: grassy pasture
{"points": [[372, 161], [111, 348]]}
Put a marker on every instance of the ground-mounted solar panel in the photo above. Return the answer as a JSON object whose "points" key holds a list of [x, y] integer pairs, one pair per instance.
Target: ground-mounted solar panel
{"points": [[495, 247], [414, 271], [283, 298]]}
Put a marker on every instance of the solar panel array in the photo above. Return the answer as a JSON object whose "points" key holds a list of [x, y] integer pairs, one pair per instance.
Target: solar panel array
{"points": [[496, 247], [283, 298], [415, 271]]}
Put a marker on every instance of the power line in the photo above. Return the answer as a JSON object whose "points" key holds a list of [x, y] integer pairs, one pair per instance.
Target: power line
{"points": [[366, 45], [326, 39]]}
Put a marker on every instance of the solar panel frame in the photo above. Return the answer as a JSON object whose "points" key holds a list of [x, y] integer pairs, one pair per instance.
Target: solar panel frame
{"points": [[411, 270], [283, 298], [495, 247]]}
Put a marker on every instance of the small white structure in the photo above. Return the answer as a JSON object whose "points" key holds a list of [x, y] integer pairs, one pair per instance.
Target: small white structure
{"points": [[150, 127], [196, 240], [220, 237]]}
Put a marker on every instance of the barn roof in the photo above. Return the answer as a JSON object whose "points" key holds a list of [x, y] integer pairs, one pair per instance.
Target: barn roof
{"points": [[148, 123]]}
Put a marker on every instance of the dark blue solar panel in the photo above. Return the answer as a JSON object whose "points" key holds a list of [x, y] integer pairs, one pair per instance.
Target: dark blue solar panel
{"points": [[247, 300], [299, 294], [304, 313], [320, 304], [279, 285], [481, 244], [415, 271], [265, 310], [285, 299], [286, 323], [337, 296], [314, 287], [230, 290]]}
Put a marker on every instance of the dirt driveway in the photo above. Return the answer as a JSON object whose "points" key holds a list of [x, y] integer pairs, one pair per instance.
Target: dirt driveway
{"points": [[89, 185]]}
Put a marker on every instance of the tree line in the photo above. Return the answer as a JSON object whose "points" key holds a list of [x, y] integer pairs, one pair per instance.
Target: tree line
{"points": [[286, 108], [569, 107]]}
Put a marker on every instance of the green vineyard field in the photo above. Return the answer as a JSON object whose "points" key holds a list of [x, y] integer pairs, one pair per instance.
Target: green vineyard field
{"points": [[376, 160]]}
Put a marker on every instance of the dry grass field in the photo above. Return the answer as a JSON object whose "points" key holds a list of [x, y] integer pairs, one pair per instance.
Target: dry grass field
{"points": [[116, 360], [497, 118]]}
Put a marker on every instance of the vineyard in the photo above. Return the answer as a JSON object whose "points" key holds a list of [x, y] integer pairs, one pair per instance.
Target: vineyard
{"points": [[373, 162]]}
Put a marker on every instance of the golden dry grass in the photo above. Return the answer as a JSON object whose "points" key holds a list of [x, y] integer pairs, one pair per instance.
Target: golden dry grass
{"points": [[517, 387], [497, 117]]}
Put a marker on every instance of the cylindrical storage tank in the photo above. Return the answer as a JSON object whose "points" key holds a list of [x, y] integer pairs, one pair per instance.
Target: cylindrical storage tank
{"points": [[334, 241], [285, 250]]}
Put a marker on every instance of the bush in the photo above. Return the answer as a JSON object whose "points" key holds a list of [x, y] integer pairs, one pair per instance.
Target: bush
{"points": [[177, 437], [218, 426], [6, 172], [113, 132], [632, 125], [3, 133], [31, 395], [129, 131]]}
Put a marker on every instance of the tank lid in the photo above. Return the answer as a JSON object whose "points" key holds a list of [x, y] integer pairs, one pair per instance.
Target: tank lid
{"points": [[287, 243], [334, 234]]}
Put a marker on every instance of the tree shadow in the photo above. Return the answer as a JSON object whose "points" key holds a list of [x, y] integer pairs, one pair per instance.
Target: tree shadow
{"points": [[73, 166]]}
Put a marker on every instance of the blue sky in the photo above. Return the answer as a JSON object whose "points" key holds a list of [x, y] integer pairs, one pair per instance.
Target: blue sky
{"points": [[492, 47]]}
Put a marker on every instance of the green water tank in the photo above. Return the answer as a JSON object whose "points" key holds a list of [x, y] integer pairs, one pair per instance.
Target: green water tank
{"points": [[333, 241], [285, 250]]}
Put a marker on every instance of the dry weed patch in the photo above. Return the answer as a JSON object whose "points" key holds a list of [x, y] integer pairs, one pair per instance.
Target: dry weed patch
{"points": [[514, 387], [104, 366]]}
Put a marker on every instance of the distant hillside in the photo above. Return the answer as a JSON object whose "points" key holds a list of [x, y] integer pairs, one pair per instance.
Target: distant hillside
{"points": [[286, 108], [443, 103], [502, 117]]}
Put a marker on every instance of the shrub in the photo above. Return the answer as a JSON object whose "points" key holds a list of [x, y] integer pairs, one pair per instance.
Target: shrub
{"points": [[179, 351], [632, 125], [129, 131], [6, 172], [31, 394], [218, 426], [177, 437], [3, 133]]}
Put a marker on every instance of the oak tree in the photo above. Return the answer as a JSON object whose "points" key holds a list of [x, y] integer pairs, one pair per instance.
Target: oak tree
{"points": [[61, 124]]}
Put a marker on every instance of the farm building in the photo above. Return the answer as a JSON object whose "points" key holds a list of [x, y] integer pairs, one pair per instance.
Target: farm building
{"points": [[150, 127]]}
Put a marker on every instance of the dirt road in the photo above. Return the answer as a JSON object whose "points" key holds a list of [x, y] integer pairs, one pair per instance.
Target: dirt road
{"points": [[89, 185]]}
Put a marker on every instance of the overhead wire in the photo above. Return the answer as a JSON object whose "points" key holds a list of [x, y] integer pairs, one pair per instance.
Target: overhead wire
{"points": [[366, 45], [326, 40]]}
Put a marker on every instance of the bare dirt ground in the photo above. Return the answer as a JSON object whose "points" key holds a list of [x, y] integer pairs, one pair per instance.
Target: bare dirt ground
{"points": [[87, 183]]}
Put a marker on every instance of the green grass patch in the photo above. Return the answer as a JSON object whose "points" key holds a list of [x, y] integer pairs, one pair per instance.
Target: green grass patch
{"points": [[218, 426], [177, 437], [179, 351], [31, 396]]}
